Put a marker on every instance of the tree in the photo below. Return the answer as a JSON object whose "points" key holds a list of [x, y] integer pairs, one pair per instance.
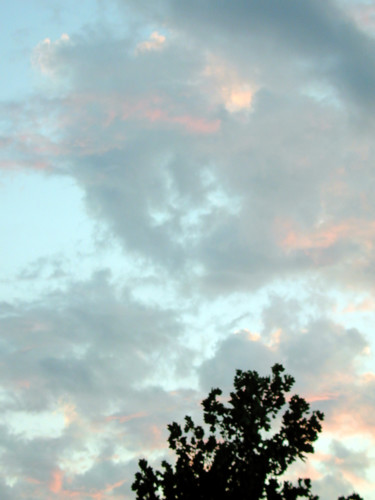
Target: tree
{"points": [[237, 454]]}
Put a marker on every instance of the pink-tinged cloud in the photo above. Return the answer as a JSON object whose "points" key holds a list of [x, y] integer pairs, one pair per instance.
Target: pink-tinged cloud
{"points": [[366, 305], [189, 123], [154, 111], [125, 418], [305, 469], [69, 412], [155, 42], [325, 236], [351, 421], [235, 93], [275, 339], [23, 384], [37, 143], [55, 485], [30, 150], [310, 471], [44, 54], [364, 15], [32, 480], [237, 98], [155, 438], [85, 113], [359, 483], [24, 164], [328, 396], [251, 336]]}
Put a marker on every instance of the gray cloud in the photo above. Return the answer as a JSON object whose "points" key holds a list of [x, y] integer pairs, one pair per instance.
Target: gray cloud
{"points": [[88, 357], [324, 358], [344, 466], [280, 170], [235, 157], [82, 345], [317, 33]]}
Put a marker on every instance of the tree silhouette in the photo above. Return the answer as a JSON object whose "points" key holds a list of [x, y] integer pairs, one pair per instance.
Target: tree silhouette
{"points": [[238, 455]]}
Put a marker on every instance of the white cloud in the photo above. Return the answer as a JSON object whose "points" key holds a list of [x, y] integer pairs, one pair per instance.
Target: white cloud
{"points": [[44, 57], [235, 93], [155, 42]]}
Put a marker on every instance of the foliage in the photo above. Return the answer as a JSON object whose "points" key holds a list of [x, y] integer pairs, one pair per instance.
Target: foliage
{"points": [[237, 455]]}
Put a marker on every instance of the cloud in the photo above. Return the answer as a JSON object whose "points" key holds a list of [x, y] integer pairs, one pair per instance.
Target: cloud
{"points": [[230, 156], [155, 42], [323, 237], [318, 32], [76, 373], [56, 481], [344, 470], [44, 55], [322, 356], [324, 359], [366, 305], [236, 94], [167, 98]]}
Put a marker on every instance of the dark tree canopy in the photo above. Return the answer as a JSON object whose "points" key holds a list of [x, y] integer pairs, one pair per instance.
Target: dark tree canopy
{"points": [[238, 455]]}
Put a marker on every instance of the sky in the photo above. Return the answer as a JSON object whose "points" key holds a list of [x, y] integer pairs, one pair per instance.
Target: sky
{"points": [[186, 189]]}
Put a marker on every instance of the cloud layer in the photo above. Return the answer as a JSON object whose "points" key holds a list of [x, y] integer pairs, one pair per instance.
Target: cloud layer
{"points": [[227, 151]]}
